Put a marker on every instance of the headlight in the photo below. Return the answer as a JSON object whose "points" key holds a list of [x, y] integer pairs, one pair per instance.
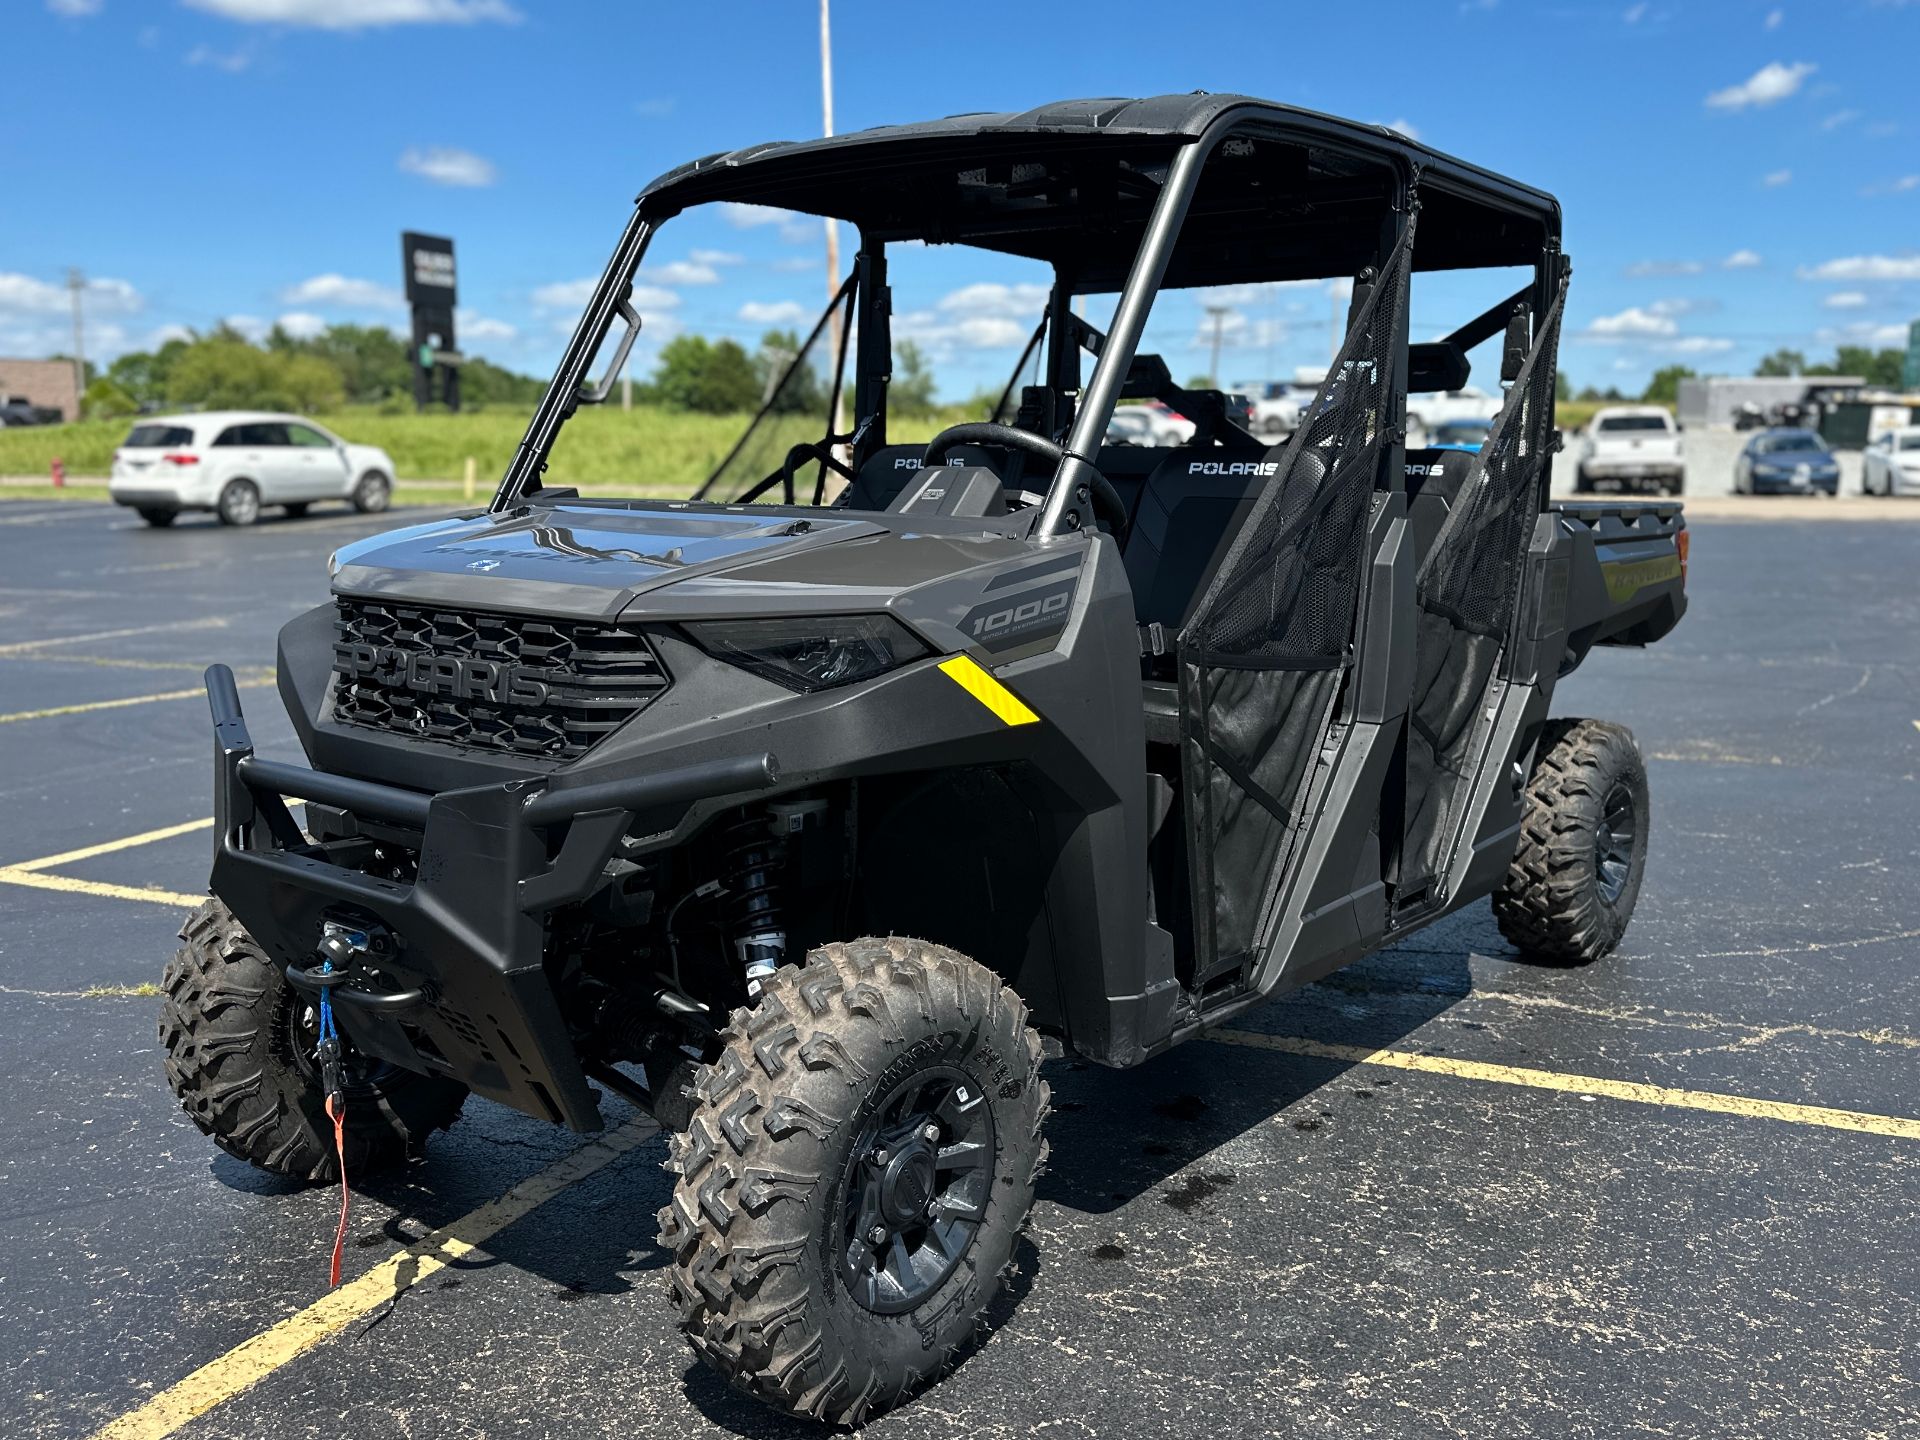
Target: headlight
{"points": [[811, 652]]}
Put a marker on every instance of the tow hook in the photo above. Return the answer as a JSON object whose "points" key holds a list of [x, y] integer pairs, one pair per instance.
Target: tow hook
{"points": [[343, 949]]}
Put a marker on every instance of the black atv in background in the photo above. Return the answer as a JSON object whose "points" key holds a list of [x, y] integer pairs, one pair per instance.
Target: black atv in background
{"points": [[806, 812]]}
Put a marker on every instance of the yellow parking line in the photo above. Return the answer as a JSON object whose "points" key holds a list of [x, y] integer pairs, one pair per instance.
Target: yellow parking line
{"points": [[92, 705], [33, 879], [107, 847], [253, 1360], [20, 647], [1741, 1105]]}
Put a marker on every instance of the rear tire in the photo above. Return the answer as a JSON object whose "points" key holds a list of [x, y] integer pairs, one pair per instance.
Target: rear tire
{"points": [[1582, 482], [822, 1126], [237, 1040], [159, 519], [239, 503], [373, 493], [1575, 875]]}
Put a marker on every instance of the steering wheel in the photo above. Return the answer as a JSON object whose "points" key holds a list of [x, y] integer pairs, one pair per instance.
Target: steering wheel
{"points": [[1105, 500]]}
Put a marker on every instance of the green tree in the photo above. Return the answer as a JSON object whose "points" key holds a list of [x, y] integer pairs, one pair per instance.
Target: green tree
{"points": [[911, 391], [1562, 386], [713, 378], [804, 392], [1781, 363], [1881, 368], [105, 400], [1664, 387]]}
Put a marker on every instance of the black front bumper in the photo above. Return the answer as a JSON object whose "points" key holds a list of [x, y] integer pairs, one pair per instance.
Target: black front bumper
{"points": [[463, 990]]}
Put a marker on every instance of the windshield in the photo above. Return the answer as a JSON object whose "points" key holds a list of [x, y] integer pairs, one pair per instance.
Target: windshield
{"points": [[1794, 442], [1910, 442], [1613, 424]]}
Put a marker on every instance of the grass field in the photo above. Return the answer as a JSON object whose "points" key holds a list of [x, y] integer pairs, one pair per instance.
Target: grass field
{"points": [[659, 451], [642, 452]]}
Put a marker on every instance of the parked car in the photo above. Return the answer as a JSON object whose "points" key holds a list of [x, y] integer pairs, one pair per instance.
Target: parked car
{"points": [[1435, 407], [1170, 427], [235, 461], [1130, 425], [1276, 408], [1240, 410], [17, 410], [1631, 447], [1459, 435], [1786, 462], [1891, 464]]}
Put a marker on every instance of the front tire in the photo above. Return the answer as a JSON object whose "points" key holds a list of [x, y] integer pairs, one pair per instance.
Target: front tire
{"points": [[858, 1165], [1575, 875], [238, 1043], [239, 503], [373, 494]]}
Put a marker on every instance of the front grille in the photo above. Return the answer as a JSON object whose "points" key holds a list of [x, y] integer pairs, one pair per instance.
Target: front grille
{"points": [[546, 688]]}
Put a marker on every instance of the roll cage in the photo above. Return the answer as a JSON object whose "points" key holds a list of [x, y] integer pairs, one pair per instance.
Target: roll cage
{"points": [[1126, 195]]}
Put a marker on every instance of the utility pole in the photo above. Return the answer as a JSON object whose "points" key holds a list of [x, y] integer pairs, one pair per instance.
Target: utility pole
{"points": [[1219, 314], [833, 230], [76, 283]]}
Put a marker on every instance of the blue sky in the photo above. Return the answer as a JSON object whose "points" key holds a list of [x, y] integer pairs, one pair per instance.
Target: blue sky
{"points": [[1736, 176]]}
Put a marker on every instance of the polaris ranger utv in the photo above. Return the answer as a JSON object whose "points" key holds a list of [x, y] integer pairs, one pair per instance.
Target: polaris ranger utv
{"points": [[810, 812]]}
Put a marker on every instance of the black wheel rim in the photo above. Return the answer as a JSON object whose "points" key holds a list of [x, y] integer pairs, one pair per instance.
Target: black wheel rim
{"points": [[366, 1076], [916, 1189], [1614, 841]]}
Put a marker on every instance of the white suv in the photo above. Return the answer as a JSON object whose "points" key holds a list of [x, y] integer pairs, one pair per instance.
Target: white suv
{"points": [[234, 461]]}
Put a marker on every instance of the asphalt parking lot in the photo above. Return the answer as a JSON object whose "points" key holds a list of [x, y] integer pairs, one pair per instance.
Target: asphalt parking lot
{"points": [[1441, 1193]]}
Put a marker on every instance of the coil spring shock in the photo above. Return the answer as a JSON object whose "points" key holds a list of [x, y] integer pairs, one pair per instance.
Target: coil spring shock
{"points": [[756, 862]]}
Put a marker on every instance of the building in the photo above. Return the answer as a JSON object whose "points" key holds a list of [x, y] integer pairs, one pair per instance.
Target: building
{"points": [[1716, 399], [51, 383]]}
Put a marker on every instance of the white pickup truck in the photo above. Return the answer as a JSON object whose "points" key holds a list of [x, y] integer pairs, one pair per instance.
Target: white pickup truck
{"points": [[1631, 447], [1431, 408]]}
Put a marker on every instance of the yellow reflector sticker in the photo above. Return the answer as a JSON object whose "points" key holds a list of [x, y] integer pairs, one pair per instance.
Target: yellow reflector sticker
{"points": [[988, 691]]}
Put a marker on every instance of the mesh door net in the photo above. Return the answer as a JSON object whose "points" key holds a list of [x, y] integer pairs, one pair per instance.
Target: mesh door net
{"points": [[1261, 657], [1467, 592]]}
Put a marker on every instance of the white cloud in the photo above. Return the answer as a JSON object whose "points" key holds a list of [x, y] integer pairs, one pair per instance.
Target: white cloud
{"points": [[1404, 127], [444, 165], [1865, 332], [231, 61], [1864, 267], [1839, 118], [1742, 260], [1894, 187], [74, 9], [794, 264], [1699, 345], [574, 294], [716, 257], [1845, 300], [1688, 306], [773, 312], [943, 332], [1775, 18], [1644, 269], [23, 294], [1023, 301], [340, 290], [792, 225], [472, 325], [301, 324], [1774, 179], [1633, 322], [683, 272], [251, 326], [1768, 85], [359, 14], [160, 336], [1636, 13]]}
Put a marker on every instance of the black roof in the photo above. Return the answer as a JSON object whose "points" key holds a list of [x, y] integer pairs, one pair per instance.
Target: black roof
{"points": [[1052, 181]]}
